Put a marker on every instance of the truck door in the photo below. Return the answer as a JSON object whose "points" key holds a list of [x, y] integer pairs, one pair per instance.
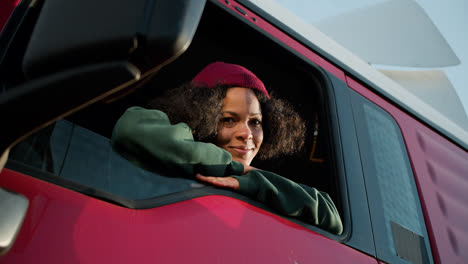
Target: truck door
{"points": [[64, 75]]}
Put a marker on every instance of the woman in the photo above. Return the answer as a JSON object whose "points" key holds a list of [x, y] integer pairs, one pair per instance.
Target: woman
{"points": [[219, 122]]}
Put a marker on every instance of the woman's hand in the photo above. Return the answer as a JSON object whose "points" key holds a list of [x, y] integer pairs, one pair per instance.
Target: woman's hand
{"points": [[227, 182]]}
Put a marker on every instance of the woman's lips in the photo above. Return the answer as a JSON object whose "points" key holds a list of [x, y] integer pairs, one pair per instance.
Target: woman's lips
{"points": [[241, 150]]}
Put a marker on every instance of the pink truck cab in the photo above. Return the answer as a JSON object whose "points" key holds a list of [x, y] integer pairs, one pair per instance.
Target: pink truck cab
{"points": [[396, 169]]}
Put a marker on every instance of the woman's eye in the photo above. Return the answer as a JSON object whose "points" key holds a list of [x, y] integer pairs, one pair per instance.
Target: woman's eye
{"points": [[228, 121], [256, 122]]}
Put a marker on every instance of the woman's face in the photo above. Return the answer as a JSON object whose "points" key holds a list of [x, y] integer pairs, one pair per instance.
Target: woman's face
{"points": [[240, 127]]}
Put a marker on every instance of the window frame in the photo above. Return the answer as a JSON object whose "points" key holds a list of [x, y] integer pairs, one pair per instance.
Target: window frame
{"points": [[351, 176]]}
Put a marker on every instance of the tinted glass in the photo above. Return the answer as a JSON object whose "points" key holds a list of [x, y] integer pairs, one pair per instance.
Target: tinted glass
{"points": [[66, 150]]}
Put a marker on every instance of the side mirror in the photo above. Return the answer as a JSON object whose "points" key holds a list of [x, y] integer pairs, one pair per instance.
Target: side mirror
{"points": [[81, 51]]}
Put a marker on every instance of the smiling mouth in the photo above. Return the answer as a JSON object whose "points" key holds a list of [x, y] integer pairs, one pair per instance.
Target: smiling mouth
{"points": [[241, 150]]}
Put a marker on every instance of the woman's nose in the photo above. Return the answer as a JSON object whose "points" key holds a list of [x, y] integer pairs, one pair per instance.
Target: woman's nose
{"points": [[244, 132]]}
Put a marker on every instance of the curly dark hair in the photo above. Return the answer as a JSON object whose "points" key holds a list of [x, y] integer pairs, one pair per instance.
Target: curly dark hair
{"points": [[200, 107]]}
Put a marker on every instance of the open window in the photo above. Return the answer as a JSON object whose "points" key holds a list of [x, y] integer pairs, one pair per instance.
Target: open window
{"points": [[75, 152]]}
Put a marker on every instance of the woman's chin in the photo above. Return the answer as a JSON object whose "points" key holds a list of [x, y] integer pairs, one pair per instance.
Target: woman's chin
{"points": [[244, 162]]}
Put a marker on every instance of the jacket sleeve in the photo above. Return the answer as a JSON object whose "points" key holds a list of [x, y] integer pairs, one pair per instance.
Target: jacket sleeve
{"points": [[291, 199], [148, 139]]}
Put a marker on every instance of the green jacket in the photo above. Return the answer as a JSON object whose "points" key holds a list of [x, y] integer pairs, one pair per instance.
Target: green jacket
{"points": [[147, 138]]}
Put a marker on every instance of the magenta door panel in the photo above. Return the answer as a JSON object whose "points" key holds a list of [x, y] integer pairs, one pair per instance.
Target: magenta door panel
{"points": [[441, 172], [63, 226]]}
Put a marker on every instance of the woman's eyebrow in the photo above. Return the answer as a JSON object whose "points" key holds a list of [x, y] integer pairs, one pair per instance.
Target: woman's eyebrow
{"points": [[230, 112], [235, 114]]}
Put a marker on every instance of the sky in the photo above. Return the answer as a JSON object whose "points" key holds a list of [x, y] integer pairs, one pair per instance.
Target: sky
{"points": [[449, 16]]}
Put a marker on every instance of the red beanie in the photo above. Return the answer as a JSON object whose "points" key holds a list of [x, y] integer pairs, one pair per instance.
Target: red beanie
{"points": [[221, 73]]}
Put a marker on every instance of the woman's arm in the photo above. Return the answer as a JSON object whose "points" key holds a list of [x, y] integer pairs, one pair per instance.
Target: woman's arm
{"points": [[292, 199], [285, 196], [147, 138]]}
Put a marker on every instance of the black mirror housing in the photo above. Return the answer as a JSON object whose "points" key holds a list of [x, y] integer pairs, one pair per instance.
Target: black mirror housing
{"points": [[146, 33]]}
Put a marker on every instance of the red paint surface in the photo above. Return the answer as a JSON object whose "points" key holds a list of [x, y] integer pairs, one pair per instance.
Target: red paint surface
{"points": [[281, 36], [6, 8], [441, 173], [63, 226]]}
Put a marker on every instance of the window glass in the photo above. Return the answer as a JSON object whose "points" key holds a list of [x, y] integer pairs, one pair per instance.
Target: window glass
{"points": [[69, 151], [396, 214], [393, 176]]}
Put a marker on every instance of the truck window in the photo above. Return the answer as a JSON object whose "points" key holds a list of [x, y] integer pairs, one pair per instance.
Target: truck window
{"points": [[396, 215], [75, 152]]}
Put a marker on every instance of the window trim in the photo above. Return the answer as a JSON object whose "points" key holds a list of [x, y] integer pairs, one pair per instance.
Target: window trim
{"points": [[351, 176]]}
